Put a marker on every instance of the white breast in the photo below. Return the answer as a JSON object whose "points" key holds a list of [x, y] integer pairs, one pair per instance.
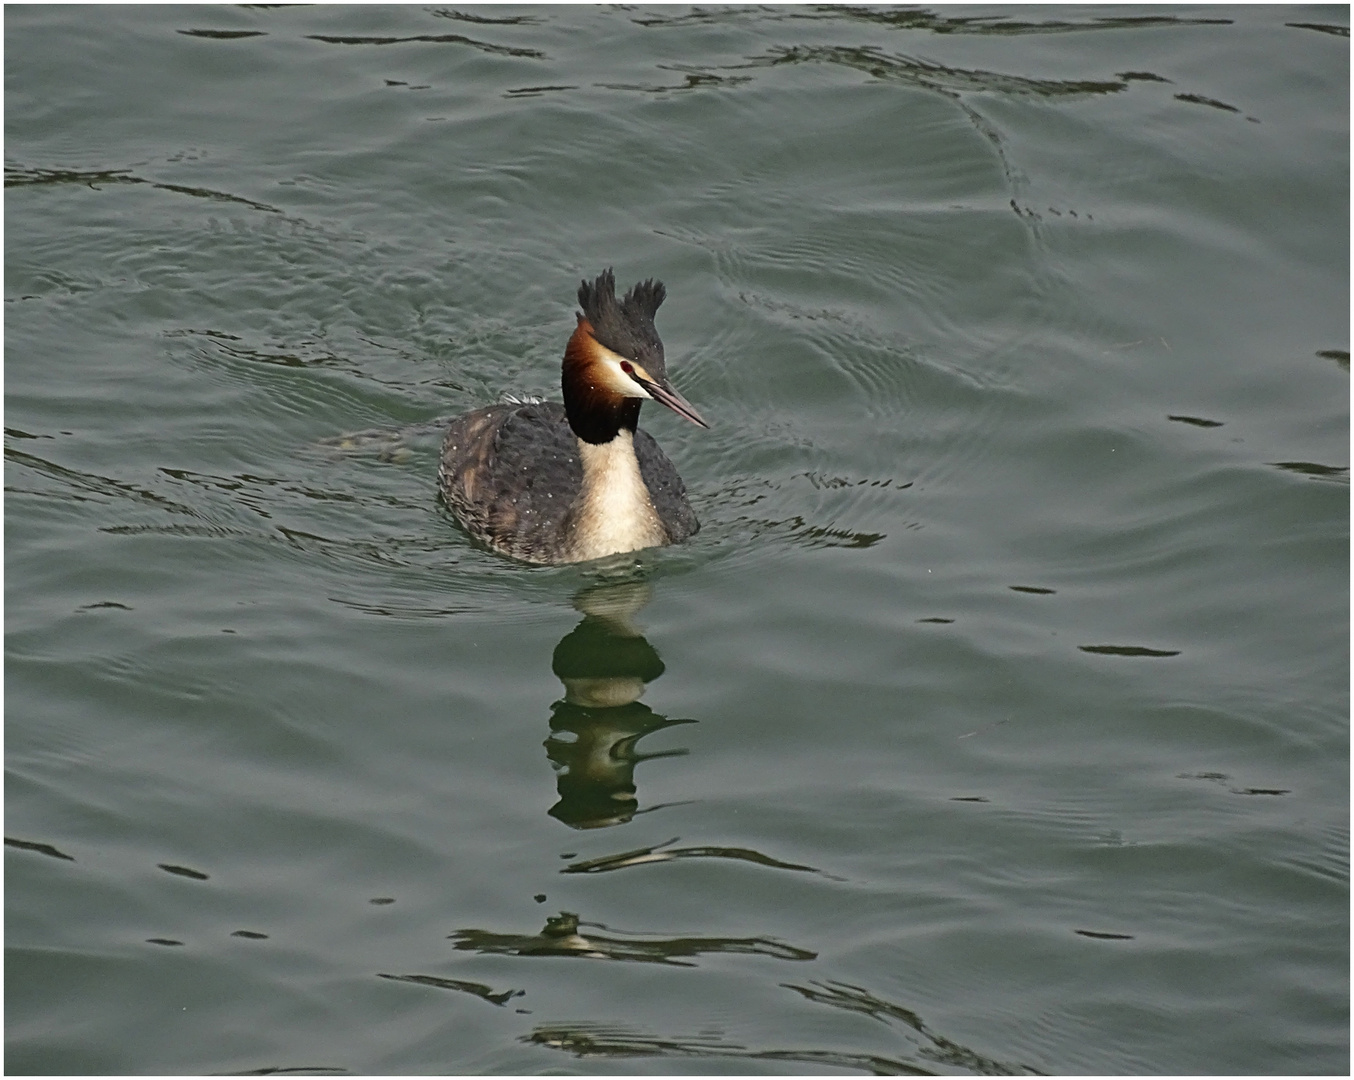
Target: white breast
{"points": [[614, 511]]}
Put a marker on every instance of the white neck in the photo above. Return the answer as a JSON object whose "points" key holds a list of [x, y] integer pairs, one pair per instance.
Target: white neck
{"points": [[614, 512]]}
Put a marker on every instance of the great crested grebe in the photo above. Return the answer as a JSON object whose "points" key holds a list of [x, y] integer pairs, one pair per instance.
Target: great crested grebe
{"points": [[551, 483]]}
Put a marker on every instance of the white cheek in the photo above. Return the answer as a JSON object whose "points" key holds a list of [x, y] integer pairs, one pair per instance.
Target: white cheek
{"points": [[617, 380]]}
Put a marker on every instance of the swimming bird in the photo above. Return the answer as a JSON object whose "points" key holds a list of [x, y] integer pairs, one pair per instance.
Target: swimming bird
{"points": [[551, 483]]}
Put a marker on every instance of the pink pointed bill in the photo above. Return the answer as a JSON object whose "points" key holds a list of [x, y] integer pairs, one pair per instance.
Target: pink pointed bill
{"points": [[664, 394]]}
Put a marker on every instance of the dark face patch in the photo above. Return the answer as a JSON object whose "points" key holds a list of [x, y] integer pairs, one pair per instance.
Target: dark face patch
{"points": [[626, 326]]}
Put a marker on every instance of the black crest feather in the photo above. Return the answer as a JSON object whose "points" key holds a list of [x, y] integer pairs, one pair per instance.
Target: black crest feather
{"points": [[625, 326], [598, 298], [644, 298]]}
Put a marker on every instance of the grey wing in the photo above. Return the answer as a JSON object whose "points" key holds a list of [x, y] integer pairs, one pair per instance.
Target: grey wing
{"points": [[510, 474], [665, 489]]}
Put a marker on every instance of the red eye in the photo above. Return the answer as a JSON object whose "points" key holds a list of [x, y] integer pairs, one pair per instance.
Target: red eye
{"points": [[627, 368]]}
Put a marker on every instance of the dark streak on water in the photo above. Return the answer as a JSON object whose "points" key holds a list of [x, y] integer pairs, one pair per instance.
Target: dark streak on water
{"points": [[183, 871], [473, 988], [40, 848], [1197, 421], [1127, 650]]}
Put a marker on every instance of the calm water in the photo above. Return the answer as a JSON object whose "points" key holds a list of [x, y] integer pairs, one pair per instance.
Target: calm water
{"points": [[995, 722]]}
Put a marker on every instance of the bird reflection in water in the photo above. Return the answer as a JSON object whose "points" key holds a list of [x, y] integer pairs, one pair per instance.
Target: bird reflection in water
{"points": [[604, 664], [564, 935], [919, 1049]]}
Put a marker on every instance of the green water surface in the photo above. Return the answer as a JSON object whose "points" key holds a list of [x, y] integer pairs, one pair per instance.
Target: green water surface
{"points": [[996, 721]]}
